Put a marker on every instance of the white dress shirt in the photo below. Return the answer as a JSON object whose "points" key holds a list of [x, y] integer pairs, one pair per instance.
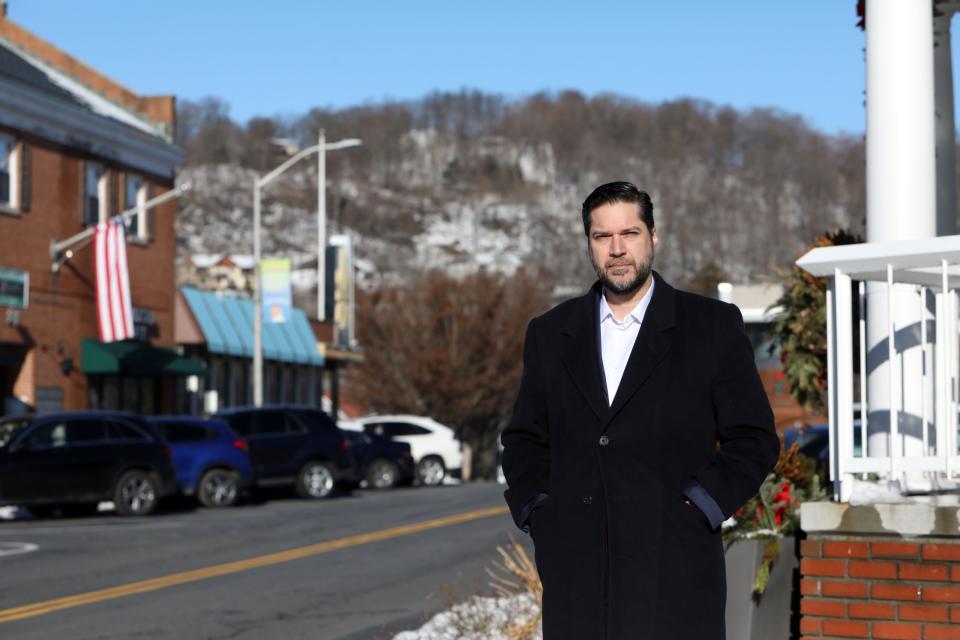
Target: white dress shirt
{"points": [[617, 338]]}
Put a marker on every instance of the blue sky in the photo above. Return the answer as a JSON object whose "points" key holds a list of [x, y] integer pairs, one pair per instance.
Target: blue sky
{"points": [[282, 57]]}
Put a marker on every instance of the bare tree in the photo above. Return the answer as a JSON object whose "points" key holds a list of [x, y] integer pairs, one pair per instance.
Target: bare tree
{"points": [[450, 349], [206, 132]]}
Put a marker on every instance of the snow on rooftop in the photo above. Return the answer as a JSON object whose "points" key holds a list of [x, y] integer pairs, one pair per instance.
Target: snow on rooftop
{"points": [[205, 260], [242, 260]]}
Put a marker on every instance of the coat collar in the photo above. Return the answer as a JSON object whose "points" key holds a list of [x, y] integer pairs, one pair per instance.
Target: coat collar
{"points": [[653, 343], [581, 357]]}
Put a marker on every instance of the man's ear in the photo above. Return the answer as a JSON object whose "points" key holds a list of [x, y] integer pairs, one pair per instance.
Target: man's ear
{"points": [[653, 236]]}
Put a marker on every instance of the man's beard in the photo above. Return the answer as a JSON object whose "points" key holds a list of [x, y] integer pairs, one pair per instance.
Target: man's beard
{"points": [[643, 270]]}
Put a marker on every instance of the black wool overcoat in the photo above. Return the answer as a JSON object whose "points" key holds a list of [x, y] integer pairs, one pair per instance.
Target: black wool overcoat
{"points": [[620, 552]]}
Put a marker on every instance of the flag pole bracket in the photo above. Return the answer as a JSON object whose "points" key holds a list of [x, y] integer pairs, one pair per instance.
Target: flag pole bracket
{"points": [[63, 250]]}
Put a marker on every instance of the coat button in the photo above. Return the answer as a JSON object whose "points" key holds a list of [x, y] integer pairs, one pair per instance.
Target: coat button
{"points": [[588, 500], [604, 441]]}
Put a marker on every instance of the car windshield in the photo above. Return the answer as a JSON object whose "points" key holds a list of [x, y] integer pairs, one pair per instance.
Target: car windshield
{"points": [[9, 429]]}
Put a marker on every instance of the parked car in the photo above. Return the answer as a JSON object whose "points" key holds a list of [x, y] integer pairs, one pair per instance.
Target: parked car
{"points": [[69, 462], [381, 462], [437, 451], [293, 445], [813, 440], [211, 461]]}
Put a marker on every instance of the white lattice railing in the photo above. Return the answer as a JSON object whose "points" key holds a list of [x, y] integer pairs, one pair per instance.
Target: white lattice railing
{"points": [[907, 426]]}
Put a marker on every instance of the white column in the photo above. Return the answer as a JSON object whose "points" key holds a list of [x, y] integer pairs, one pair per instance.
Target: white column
{"points": [[945, 122], [900, 120], [901, 203], [840, 318]]}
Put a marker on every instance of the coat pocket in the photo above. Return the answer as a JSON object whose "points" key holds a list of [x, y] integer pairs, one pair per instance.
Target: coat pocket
{"points": [[536, 517], [692, 516]]}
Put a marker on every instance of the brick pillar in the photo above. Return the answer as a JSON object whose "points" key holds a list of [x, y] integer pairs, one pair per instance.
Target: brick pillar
{"points": [[881, 583]]}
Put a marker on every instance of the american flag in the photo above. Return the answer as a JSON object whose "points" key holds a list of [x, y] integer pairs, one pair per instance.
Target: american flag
{"points": [[114, 311]]}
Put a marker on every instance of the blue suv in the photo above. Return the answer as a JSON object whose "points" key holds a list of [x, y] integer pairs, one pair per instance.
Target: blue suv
{"points": [[211, 461]]}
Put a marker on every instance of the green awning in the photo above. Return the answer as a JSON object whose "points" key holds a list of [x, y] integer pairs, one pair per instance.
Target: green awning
{"points": [[135, 359]]}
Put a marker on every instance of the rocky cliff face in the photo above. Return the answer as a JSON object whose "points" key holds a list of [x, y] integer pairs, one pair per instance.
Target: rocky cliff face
{"points": [[744, 197]]}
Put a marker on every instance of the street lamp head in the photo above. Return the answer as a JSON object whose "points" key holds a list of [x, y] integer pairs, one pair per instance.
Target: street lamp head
{"points": [[289, 146], [343, 144]]}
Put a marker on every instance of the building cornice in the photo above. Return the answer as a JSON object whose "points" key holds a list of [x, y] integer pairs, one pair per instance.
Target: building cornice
{"points": [[62, 123]]}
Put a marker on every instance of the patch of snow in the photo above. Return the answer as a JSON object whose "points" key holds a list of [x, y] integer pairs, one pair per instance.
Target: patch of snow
{"points": [[479, 618], [868, 493]]}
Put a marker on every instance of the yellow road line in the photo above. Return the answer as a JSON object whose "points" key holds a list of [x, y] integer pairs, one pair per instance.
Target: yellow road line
{"points": [[154, 584]]}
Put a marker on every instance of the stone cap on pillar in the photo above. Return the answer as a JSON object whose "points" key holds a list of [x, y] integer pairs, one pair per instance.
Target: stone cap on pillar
{"points": [[901, 519]]}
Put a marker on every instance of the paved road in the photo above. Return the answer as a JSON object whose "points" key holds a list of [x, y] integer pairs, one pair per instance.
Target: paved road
{"points": [[348, 589]]}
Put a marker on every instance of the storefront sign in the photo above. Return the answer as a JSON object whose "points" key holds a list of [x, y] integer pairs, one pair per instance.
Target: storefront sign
{"points": [[14, 288]]}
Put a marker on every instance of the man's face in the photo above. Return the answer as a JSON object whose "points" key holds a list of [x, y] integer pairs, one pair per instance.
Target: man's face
{"points": [[621, 247]]}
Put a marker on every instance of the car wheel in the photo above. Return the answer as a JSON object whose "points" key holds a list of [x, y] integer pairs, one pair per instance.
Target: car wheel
{"points": [[135, 494], [315, 480], [382, 474], [431, 472], [218, 488]]}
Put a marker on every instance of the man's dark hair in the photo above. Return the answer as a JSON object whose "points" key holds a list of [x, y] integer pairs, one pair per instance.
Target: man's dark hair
{"points": [[617, 192]]}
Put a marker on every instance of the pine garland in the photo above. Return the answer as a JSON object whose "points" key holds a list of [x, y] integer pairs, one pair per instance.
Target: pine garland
{"points": [[800, 330]]}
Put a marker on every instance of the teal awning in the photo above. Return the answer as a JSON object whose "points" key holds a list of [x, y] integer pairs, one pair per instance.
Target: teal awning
{"points": [[135, 359], [227, 325]]}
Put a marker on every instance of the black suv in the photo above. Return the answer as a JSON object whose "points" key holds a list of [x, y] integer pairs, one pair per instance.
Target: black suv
{"points": [[382, 462], [293, 445], [69, 462]]}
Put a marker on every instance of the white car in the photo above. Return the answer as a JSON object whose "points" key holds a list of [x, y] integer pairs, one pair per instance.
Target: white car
{"points": [[436, 449]]}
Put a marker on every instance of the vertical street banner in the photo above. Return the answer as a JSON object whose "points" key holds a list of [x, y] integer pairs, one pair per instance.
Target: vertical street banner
{"points": [[114, 309], [275, 285], [339, 296]]}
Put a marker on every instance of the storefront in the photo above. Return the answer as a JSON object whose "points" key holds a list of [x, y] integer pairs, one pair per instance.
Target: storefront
{"points": [[134, 376], [217, 329]]}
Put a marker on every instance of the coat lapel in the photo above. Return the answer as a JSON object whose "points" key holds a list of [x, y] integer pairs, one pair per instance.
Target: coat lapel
{"points": [[652, 344], [581, 356]]}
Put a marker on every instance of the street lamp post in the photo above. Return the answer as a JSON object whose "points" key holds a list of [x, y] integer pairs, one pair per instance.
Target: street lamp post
{"points": [[259, 183], [257, 301], [321, 226]]}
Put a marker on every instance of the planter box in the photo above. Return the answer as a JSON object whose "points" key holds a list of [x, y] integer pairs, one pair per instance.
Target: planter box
{"points": [[769, 617]]}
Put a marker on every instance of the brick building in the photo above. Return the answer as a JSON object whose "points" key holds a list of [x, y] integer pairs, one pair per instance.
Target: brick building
{"points": [[75, 149]]}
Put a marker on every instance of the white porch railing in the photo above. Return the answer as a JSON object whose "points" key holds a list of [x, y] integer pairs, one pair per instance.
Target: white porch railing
{"points": [[922, 386]]}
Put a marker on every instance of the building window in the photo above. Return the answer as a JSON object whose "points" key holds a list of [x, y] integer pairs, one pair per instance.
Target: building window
{"points": [[9, 178], [94, 194], [238, 390], [135, 195], [109, 393], [288, 383]]}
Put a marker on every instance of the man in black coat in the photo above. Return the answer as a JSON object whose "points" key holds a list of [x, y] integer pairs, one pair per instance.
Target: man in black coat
{"points": [[640, 426]]}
